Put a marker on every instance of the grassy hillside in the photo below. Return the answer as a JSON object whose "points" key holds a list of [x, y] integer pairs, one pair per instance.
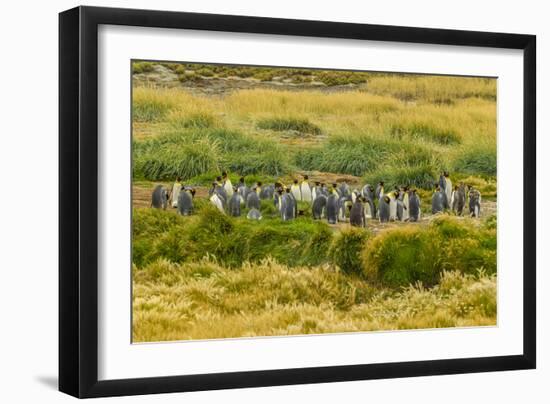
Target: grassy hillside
{"points": [[401, 129]]}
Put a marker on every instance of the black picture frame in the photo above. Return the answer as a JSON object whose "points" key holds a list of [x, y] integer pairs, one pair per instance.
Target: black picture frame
{"points": [[78, 201]]}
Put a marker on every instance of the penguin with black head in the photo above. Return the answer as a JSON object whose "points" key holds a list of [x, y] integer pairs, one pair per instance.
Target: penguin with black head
{"points": [[185, 201], [159, 198], [357, 216]]}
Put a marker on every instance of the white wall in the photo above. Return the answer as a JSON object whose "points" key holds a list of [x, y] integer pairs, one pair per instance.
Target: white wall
{"points": [[28, 218]]}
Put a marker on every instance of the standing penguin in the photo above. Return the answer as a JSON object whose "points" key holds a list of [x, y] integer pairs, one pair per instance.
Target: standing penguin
{"points": [[277, 196], [400, 208], [344, 206], [267, 192], [253, 200], [319, 206], [305, 190], [226, 184], [459, 199], [438, 200], [185, 201], [384, 209], [176, 188], [357, 214], [254, 214], [369, 195], [370, 209], [315, 190], [414, 206], [379, 192], [406, 203], [393, 204], [448, 188], [332, 208], [234, 205], [242, 189], [159, 198], [475, 203], [295, 190], [288, 206]]}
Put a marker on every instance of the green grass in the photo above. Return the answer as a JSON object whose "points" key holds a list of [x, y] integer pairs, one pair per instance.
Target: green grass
{"points": [[477, 160], [192, 152], [410, 254], [285, 124], [230, 241]]}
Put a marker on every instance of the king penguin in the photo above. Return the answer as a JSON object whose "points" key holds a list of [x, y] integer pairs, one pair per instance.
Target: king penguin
{"points": [[234, 205], [414, 206], [305, 190], [438, 200], [384, 209], [159, 198], [185, 201], [357, 213], [319, 206], [295, 190], [227, 186], [332, 208]]}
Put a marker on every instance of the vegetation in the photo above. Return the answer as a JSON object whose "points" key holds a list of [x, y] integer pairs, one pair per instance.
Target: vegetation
{"points": [[354, 132], [209, 275], [204, 300], [412, 254]]}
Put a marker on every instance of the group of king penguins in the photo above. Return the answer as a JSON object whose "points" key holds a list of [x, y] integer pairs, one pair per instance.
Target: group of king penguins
{"points": [[335, 203], [456, 198]]}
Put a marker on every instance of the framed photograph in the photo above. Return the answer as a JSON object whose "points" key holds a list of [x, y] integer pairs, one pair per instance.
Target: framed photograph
{"points": [[251, 201]]}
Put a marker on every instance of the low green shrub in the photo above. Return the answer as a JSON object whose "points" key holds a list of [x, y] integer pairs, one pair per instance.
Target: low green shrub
{"points": [[142, 67]]}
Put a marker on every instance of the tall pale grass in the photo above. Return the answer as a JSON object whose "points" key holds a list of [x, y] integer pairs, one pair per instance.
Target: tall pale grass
{"points": [[203, 300]]}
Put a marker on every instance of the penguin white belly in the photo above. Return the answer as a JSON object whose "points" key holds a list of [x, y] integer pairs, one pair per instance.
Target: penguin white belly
{"points": [[368, 212], [228, 188], [393, 209], [306, 192], [295, 190], [217, 202], [406, 210], [175, 194]]}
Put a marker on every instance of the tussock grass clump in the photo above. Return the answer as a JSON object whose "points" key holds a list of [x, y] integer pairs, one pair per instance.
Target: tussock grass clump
{"points": [[477, 160], [347, 155], [424, 131], [345, 251], [286, 124], [401, 256], [197, 120], [184, 160]]}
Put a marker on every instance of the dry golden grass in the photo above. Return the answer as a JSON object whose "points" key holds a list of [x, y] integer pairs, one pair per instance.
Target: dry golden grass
{"points": [[206, 301]]}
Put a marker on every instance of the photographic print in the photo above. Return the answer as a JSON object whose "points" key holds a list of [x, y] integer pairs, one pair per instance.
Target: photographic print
{"points": [[277, 201]]}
